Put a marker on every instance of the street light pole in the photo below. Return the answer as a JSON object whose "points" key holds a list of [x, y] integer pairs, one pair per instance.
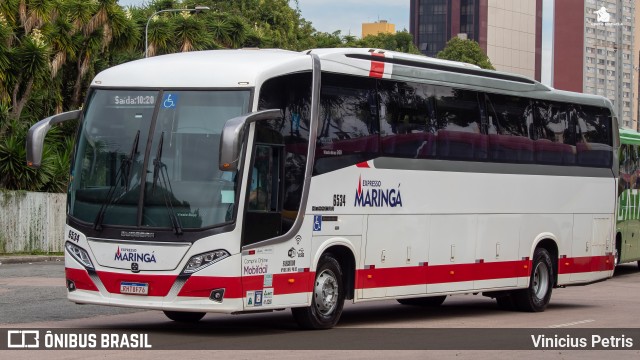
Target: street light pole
{"points": [[197, 9]]}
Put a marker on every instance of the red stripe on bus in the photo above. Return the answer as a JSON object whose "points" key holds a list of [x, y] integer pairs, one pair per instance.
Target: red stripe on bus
{"points": [[201, 286], [301, 282], [286, 283], [159, 285], [585, 264], [293, 283], [81, 279], [388, 277], [438, 274], [363, 164], [377, 67]]}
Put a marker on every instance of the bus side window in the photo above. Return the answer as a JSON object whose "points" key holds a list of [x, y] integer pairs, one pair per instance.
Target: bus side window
{"points": [[349, 126], [459, 120], [408, 126]]}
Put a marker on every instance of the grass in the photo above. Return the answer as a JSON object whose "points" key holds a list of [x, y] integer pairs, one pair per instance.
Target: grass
{"points": [[35, 252]]}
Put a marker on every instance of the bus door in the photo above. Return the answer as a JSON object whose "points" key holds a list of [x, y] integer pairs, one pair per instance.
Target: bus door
{"points": [[263, 211]]}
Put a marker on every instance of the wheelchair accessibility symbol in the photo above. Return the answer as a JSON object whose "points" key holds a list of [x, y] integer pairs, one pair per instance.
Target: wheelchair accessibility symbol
{"points": [[317, 222], [169, 101]]}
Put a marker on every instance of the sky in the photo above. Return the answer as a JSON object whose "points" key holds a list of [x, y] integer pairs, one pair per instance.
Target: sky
{"points": [[344, 15], [348, 16]]}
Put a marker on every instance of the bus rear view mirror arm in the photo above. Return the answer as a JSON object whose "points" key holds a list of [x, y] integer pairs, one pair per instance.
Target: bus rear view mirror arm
{"points": [[37, 133], [233, 135]]}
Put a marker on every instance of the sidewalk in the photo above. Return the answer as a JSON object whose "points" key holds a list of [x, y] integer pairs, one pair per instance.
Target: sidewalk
{"points": [[23, 259]]}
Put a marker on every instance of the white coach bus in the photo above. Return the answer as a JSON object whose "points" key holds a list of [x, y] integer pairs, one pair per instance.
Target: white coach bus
{"points": [[249, 180]]}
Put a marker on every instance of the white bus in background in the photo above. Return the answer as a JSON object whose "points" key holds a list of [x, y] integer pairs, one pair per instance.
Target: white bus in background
{"points": [[251, 180]]}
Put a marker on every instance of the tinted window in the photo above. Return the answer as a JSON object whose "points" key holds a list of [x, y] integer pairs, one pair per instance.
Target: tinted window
{"points": [[408, 119], [593, 136], [348, 129], [508, 118], [458, 117], [569, 134], [291, 94], [438, 122], [508, 115]]}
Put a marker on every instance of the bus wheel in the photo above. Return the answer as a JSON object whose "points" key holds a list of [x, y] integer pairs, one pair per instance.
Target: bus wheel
{"points": [[186, 317], [432, 301], [536, 297], [327, 298], [506, 303]]}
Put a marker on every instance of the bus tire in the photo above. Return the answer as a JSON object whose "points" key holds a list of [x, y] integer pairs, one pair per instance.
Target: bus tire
{"points": [[327, 298], [184, 316], [431, 301], [536, 297], [506, 303]]}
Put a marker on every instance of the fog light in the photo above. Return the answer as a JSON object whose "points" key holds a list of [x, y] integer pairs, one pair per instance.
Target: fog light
{"points": [[217, 295], [71, 286]]}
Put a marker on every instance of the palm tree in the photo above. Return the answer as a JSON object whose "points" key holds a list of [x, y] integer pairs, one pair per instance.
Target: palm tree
{"points": [[59, 34], [238, 33], [190, 33], [33, 14], [31, 59], [160, 34], [220, 29], [6, 37], [108, 20]]}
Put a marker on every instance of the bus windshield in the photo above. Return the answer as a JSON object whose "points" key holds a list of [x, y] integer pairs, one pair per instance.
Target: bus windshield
{"points": [[177, 169]]}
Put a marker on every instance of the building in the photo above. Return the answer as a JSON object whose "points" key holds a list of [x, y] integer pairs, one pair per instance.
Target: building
{"points": [[378, 27], [594, 45], [635, 113], [593, 52], [509, 31]]}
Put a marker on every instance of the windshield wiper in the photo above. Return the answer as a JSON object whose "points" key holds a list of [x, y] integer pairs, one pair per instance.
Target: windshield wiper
{"points": [[123, 174], [160, 171], [129, 161]]}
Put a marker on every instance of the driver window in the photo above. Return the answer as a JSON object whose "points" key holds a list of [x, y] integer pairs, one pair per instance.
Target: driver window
{"points": [[261, 180]]}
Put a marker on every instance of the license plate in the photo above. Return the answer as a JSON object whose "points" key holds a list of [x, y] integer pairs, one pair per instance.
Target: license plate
{"points": [[134, 288]]}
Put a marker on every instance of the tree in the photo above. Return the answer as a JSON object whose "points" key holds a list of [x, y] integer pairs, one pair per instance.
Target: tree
{"points": [[50, 49], [467, 51], [401, 41]]}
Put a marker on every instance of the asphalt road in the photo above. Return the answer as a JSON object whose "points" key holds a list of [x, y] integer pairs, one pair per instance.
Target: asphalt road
{"points": [[33, 295]]}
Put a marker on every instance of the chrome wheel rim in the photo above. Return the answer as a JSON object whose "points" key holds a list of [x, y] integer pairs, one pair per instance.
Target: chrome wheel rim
{"points": [[326, 292], [540, 280]]}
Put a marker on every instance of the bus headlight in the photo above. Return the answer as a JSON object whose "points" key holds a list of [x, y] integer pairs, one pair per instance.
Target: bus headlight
{"points": [[201, 261], [79, 254]]}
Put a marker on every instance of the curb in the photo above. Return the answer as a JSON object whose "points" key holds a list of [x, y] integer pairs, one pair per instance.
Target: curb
{"points": [[23, 259]]}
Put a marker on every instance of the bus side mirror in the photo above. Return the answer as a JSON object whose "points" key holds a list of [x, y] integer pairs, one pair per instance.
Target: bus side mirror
{"points": [[37, 133], [233, 135]]}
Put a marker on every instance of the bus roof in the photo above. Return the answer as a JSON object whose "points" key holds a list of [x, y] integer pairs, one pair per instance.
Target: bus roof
{"points": [[249, 67], [628, 136], [199, 69]]}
